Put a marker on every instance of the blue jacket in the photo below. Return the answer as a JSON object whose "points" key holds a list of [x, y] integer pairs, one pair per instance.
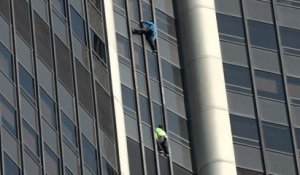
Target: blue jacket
{"points": [[151, 26]]}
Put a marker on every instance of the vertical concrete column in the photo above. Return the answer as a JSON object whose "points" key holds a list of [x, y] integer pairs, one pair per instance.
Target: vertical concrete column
{"points": [[116, 87], [207, 102]]}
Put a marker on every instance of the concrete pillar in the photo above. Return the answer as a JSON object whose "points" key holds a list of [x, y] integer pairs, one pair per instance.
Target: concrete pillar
{"points": [[116, 87], [207, 102]]}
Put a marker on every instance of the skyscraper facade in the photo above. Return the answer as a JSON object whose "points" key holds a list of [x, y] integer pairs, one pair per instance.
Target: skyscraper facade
{"points": [[81, 95]]}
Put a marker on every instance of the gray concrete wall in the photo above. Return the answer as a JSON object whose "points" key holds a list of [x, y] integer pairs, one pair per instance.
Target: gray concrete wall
{"points": [[210, 124]]}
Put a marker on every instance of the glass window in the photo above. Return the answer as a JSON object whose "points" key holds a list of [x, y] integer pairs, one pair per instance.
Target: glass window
{"points": [[295, 111], [22, 20], [5, 33], [108, 149], [131, 127], [51, 161], [237, 78], [6, 62], [107, 169], [24, 54], [181, 154], [289, 37], [71, 160], [128, 97], [294, 89], [171, 73], [60, 28], [165, 6], [123, 46], [5, 9], [150, 161], [66, 101], [168, 51], [30, 165], [241, 104], [177, 125], [248, 157], [81, 52], [259, 10], [96, 20], [60, 5], [244, 130], [277, 137], [134, 10], [27, 82], [272, 111], [8, 116], [225, 23], [48, 108], [89, 155], [77, 4], [165, 23], [286, 16], [147, 136], [7, 88], [141, 83], [291, 65], [144, 109], [158, 114], [265, 60], [230, 6], [120, 24], [126, 75], [234, 53], [174, 102], [98, 46], [262, 34], [147, 11], [41, 7], [164, 166], [28, 112], [135, 157], [46, 78], [139, 58], [50, 136], [30, 138], [78, 25], [87, 125], [10, 145], [269, 85], [152, 65], [281, 163], [68, 128], [10, 168], [297, 134]]}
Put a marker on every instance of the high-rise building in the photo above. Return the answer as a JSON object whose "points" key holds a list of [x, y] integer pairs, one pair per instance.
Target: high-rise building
{"points": [[81, 95]]}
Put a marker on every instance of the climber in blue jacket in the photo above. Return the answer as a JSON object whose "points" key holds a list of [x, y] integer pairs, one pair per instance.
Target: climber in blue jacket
{"points": [[150, 31]]}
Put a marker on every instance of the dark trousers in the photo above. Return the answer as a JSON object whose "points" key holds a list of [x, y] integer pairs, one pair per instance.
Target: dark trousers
{"points": [[148, 34], [162, 145]]}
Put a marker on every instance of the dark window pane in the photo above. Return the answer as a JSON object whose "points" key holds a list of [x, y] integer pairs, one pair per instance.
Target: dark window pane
{"points": [[128, 97], [22, 20], [171, 73], [144, 107], [134, 10], [51, 162], [225, 26], [277, 137], [152, 64], [48, 108], [248, 157], [180, 171], [10, 168], [98, 46], [135, 157], [97, 4], [164, 166], [89, 155], [294, 89], [107, 169], [8, 115], [26, 82], [68, 128], [5, 8], [60, 5], [147, 11], [150, 161], [177, 125], [165, 23], [78, 25], [6, 63], [158, 114], [30, 138], [290, 37], [244, 130], [269, 85], [297, 133], [237, 78], [262, 34], [138, 55], [123, 46], [234, 53], [229, 6], [242, 171]]}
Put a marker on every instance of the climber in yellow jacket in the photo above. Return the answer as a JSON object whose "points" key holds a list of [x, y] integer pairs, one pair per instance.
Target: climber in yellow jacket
{"points": [[161, 140]]}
